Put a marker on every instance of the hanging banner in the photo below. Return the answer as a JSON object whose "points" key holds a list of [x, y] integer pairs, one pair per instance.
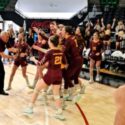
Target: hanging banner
{"points": [[43, 24]]}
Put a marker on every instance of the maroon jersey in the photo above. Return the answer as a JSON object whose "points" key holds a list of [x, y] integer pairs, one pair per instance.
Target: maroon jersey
{"points": [[71, 49], [81, 43], [75, 61], [55, 57], [22, 48], [95, 47]]}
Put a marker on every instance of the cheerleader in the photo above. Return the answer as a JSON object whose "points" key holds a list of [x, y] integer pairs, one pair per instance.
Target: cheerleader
{"points": [[96, 46]]}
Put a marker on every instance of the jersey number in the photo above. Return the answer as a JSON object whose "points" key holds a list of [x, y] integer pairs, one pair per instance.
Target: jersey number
{"points": [[58, 60]]}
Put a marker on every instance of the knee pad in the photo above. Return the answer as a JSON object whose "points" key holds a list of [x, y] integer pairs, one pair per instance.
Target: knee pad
{"points": [[56, 97]]}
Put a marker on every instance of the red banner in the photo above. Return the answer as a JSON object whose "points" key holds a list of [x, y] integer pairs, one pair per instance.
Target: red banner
{"points": [[44, 24]]}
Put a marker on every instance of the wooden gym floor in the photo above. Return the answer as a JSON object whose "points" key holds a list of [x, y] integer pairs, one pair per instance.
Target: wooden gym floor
{"points": [[97, 104]]}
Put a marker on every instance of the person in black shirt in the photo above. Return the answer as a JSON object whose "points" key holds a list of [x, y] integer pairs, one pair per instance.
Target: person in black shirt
{"points": [[4, 37], [11, 42]]}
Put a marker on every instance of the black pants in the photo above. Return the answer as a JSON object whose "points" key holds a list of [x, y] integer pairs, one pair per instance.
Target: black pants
{"points": [[2, 76]]}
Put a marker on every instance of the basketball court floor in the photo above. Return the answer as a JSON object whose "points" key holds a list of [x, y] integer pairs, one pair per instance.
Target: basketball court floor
{"points": [[97, 104]]}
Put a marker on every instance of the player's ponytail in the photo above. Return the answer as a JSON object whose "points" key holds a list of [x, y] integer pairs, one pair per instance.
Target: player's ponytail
{"points": [[55, 40]]}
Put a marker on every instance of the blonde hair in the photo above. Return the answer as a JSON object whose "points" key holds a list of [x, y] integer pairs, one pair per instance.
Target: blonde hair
{"points": [[4, 33]]}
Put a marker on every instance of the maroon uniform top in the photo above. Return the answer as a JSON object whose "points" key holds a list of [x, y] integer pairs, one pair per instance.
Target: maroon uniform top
{"points": [[55, 58], [22, 48], [40, 54], [71, 49], [95, 48], [81, 43]]}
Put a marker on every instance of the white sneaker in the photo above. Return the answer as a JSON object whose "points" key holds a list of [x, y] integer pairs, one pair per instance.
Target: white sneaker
{"points": [[97, 78], [59, 115], [28, 111], [68, 98]]}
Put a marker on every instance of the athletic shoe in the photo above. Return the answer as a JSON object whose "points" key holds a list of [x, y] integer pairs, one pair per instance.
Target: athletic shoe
{"points": [[97, 78], [28, 111], [59, 115], [68, 98]]}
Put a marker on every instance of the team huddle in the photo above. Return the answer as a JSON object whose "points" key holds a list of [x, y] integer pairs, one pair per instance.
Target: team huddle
{"points": [[59, 53]]}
